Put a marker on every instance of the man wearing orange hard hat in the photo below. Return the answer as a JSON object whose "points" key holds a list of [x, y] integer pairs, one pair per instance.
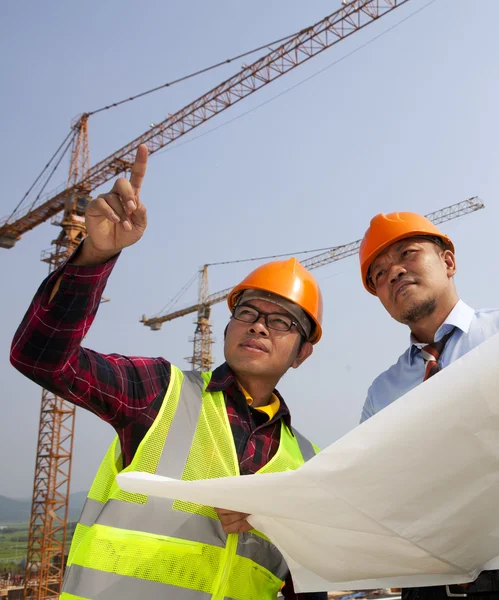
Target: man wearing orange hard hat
{"points": [[409, 264], [181, 424]]}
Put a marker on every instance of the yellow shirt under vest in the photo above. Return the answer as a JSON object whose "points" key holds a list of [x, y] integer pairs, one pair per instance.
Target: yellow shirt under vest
{"points": [[269, 409]]}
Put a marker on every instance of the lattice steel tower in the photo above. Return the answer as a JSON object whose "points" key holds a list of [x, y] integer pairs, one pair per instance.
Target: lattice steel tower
{"points": [[49, 511]]}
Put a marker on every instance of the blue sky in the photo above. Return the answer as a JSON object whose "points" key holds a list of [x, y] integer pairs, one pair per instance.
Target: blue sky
{"points": [[408, 122]]}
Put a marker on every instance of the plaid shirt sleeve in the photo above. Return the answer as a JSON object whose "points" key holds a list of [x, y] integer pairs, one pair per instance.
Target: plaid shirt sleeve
{"points": [[47, 349]]}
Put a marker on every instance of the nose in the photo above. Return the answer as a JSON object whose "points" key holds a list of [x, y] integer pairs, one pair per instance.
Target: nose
{"points": [[259, 327], [396, 272]]}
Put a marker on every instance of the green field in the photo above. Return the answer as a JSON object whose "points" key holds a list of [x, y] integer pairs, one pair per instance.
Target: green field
{"points": [[14, 544], [13, 541]]}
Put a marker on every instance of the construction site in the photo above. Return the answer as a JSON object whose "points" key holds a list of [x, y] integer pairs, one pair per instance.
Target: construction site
{"points": [[270, 135]]}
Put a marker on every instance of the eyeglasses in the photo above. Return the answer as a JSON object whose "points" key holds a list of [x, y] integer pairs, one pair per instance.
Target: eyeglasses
{"points": [[277, 321]]}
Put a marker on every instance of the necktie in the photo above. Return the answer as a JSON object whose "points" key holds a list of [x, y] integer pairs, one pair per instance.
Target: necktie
{"points": [[431, 353]]}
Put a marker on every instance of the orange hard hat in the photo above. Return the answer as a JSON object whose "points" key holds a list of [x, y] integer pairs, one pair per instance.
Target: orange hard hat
{"points": [[384, 230], [289, 279]]}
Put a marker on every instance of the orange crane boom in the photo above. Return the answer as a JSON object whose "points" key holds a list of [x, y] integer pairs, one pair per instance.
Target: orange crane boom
{"points": [[308, 43]]}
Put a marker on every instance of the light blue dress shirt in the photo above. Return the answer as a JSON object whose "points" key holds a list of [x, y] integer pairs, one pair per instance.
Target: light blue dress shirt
{"points": [[471, 329]]}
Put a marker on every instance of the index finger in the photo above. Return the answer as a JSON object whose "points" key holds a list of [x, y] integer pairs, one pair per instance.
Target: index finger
{"points": [[139, 168]]}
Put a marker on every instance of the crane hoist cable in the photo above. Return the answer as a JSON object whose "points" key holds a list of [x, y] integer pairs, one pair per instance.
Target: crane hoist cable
{"points": [[68, 140], [191, 75]]}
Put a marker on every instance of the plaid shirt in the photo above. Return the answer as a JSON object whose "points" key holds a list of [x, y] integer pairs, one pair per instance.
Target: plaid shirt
{"points": [[125, 391]]}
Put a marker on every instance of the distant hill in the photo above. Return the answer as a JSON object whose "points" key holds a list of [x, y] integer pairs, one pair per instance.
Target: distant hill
{"points": [[12, 510]]}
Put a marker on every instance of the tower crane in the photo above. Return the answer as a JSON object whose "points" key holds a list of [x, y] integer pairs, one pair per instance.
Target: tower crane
{"points": [[51, 486], [308, 43], [201, 359]]}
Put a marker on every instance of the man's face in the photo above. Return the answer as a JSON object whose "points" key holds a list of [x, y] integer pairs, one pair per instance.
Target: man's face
{"points": [[255, 350], [411, 277]]}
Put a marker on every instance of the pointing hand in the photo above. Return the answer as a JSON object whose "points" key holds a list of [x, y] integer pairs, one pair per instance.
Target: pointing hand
{"points": [[117, 219]]}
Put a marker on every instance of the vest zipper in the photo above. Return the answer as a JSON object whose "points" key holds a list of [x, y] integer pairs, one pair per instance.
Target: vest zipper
{"points": [[230, 554]]}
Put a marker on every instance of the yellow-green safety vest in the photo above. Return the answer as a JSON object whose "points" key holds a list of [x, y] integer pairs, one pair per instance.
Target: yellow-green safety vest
{"points": [[130, 546]]}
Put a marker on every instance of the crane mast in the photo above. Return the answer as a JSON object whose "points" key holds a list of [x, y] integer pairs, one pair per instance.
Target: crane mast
{"points": [[202, 341], [51, 484]]}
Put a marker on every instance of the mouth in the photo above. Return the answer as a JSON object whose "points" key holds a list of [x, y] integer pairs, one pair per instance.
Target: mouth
{"points": [[254, 346], [402, 287]]}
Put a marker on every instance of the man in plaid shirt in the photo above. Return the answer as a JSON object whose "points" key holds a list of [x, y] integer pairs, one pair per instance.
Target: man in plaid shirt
{"points": [[267, 334]]}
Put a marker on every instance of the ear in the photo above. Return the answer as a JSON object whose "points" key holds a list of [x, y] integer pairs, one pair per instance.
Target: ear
{"points": [[450, 263], [305, 351]]}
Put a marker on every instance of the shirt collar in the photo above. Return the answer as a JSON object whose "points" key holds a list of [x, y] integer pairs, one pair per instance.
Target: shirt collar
{"points": [[223, 379], [271, 409], [460, 317]]}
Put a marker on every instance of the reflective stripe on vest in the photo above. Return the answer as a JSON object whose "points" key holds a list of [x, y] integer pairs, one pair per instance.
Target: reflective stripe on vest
{"points": [[162, 544], [306, 447], [109, 586]]}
